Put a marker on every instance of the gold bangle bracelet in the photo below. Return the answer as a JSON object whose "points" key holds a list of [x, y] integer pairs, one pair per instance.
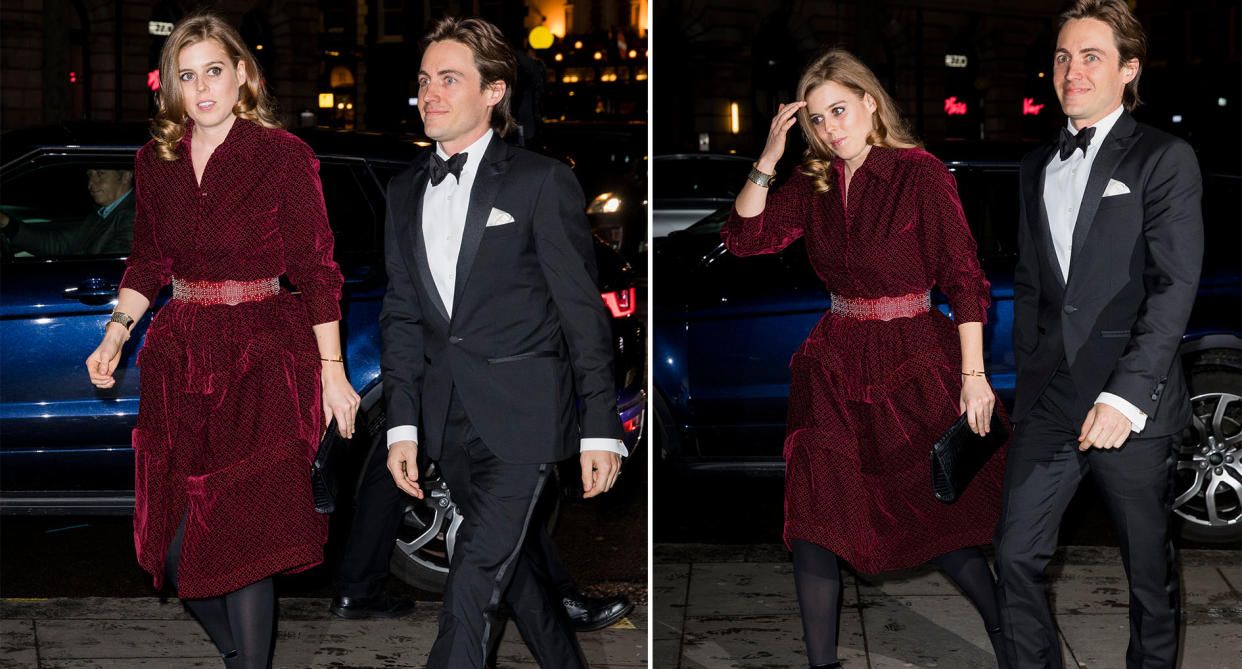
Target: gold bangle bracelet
{"points": [[974, 372], [340, 360]]}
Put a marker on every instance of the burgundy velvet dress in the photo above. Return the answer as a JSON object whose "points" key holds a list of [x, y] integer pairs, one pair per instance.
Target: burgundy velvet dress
{"points": [[868, 397], [229, 409]]}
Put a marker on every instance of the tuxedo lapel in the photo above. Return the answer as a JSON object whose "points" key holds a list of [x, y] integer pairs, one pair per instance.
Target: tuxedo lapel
{"points": [[482, 196], [1114, 148], [1037, 212], [415, 204]]}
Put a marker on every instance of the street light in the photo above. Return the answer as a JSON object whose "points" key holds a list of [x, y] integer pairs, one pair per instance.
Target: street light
{"points": [[541, 37]]}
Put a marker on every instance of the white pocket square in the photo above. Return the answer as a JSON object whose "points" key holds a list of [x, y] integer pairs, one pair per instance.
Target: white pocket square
{"points": [[1115, 188], [500, 217]]}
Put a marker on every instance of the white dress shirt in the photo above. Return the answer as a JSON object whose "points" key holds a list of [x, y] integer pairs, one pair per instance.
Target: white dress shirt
{"points": [[445, 206], [1065, 181]]}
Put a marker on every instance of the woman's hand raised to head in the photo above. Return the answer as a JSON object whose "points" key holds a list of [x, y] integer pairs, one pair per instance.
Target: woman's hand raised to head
{"points": [[774, 148]]}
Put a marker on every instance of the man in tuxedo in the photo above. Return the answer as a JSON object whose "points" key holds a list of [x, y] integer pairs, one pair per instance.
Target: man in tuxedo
{"points": [[1110, 243], [496, 338]]}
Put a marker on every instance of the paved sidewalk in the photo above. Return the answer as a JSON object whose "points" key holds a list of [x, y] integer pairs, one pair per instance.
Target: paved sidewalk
{"points": [[111, 633], [720, 607]]}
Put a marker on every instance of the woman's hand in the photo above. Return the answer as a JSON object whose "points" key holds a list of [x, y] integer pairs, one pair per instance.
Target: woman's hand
{"points": [[339, 399], [977, 402], [103, 361], [774, 148]]}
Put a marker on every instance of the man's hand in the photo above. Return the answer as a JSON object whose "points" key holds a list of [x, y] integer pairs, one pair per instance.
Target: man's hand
{"points": [[403, 465], [599, 471], [1105, 427]]}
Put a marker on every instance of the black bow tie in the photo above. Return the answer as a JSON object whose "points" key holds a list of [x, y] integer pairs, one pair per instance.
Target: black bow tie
{"points": [[1068, 142], [441, 168]]}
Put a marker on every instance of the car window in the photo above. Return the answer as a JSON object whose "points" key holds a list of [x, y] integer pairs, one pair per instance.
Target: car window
{"points": [[1222, 209], [699, 178], [990, 200], [384, 172], [63, 206], [350, 211]]}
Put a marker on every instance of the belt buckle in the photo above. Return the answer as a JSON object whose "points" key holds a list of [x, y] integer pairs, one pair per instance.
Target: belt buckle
{"points": [[232, 293]]}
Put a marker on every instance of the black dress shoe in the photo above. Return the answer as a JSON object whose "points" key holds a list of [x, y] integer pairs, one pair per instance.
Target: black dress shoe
{"points": [[595, 613], [379, 606]]}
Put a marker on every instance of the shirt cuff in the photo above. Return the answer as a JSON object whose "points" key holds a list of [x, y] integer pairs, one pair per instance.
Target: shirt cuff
{"points": [[1138, 419], [601, 444], [402, 433]]}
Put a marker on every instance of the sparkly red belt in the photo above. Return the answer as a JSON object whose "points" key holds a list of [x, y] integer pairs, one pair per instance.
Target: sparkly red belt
{"points": [[882, 308], [225, 292]]}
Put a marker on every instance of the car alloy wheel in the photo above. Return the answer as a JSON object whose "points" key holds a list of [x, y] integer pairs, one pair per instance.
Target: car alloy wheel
{"points": [[1208, 485], [427, 536]]}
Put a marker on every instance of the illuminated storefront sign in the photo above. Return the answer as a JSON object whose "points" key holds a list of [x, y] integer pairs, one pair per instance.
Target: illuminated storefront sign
{"points": [[954, 108], [955, 60], [153, 80], [1029, 108], [161, 28]]}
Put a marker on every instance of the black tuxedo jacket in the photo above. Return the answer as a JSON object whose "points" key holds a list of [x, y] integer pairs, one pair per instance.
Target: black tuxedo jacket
{"points": [[528, 345], [1119, 317]]}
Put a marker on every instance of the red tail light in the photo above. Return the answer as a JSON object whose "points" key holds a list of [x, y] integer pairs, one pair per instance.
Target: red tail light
{"points": [[632, 424], [620, 303]]}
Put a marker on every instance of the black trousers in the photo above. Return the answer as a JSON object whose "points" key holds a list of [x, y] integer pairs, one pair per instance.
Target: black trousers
{"points": [[492, 561], [377, 516], [1042, 473]]}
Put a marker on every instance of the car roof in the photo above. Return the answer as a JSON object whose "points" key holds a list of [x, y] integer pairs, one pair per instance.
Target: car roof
{"points": [[726, 157], [386, 147]]}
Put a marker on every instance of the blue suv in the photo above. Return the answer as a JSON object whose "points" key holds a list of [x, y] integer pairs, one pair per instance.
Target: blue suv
{"points": [[65, 445], [725, 328]]}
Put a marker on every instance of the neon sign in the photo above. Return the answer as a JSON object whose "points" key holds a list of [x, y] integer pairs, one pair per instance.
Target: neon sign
{"points": [[1030, 108], [153, 80], [954, 108]]}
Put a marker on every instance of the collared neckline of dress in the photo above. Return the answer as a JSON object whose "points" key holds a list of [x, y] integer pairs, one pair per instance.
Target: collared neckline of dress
{"points": [[242, 127], [879, 163]]}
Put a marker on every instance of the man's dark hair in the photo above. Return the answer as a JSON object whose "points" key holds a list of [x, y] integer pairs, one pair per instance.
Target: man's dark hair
{"points": [[492, 57], [1128, 35]]}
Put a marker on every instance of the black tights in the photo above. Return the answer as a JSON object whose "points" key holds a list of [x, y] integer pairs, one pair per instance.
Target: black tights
{"points": [[817, 578], [240, 623]]}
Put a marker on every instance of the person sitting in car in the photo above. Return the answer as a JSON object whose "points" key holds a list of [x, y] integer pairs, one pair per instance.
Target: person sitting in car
{"points": [[108, 230]]}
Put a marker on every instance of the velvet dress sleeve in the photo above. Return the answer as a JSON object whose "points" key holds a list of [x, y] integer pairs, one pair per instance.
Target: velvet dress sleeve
{"points": [[950, 252], [780, 223], [308, 240], [148, 269]]}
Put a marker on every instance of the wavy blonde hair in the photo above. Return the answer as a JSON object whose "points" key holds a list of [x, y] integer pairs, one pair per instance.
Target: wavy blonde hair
{"points": [[253, 102], [842, 68]]}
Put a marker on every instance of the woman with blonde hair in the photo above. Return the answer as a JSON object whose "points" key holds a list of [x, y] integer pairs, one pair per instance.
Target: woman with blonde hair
{"points": [[883, 374], [239, 376]]}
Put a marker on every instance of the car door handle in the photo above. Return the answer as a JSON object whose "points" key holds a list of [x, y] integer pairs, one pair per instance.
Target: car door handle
{"points": [[92, 291]]}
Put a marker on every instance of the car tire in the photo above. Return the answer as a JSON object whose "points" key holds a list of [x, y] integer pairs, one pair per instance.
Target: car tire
{"points": [[428, 532], [1208, 481]]}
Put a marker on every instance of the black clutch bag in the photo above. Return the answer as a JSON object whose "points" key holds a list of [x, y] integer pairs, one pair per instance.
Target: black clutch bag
{"points": [[326, 467], [959, 454]]}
